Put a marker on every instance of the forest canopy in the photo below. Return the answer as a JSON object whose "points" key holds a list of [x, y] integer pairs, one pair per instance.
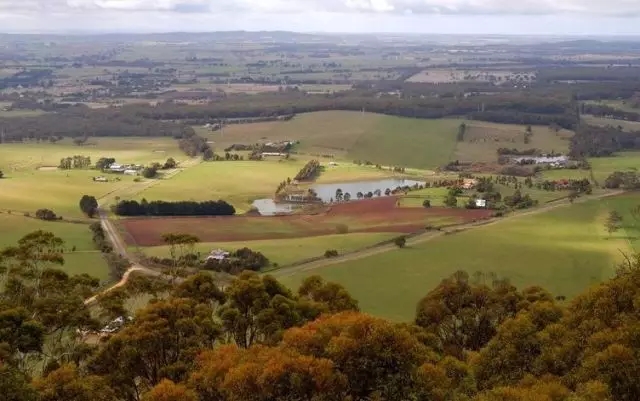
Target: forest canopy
{"points": [[471, 339]]}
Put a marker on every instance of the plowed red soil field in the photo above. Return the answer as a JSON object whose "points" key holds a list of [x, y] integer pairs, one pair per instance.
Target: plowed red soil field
{"points": [[372, 215]]}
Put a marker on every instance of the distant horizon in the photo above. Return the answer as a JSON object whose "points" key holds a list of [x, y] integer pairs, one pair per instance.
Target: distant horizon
{"points": [[321, 33]]}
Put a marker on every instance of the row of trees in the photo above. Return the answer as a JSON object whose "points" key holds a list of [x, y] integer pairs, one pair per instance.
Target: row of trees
{"points": [[309, 171], [69, 163], [180, 208]]}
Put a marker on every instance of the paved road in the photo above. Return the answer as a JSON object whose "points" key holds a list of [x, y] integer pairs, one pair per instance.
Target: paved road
{"points": [[428, 236]]}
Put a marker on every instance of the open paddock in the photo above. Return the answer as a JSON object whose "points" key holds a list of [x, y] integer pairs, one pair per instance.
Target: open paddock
{"points": [[482, 140], [287, 251], [349, 136], [368, 216], [564, 250]]}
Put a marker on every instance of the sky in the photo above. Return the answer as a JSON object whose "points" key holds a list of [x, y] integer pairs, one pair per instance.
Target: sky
{"points": [[525, 17]]}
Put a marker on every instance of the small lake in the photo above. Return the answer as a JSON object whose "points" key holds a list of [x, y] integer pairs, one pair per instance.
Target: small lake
{"points": [[267, 207], [327, 192]]}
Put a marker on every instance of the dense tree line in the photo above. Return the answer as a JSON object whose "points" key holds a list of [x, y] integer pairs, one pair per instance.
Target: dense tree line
{"points": [[181, 208], [78, 122], [596, 141], [600, 110], [473, 338]]}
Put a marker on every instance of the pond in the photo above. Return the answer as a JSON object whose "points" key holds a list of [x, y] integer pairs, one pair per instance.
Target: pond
{"points": [[327, 192], [267, 207]]}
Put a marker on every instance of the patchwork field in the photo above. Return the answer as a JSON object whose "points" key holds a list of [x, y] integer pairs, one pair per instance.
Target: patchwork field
{"points": [[287, 251], [375, 216], [84, 259], [482, 140], [564, 250], [351, 136]]}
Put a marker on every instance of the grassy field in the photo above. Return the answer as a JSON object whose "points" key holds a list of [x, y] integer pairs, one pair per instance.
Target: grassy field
{"points": [[29, 156], [482, 140], [349, 136], [284, 252], [564, 250], [624, 161], [237, 182], [32, 181], [85, 259], [626, 125]]}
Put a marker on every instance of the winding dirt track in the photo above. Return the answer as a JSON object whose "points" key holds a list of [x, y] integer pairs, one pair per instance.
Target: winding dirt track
{"points": [[118, 243]]}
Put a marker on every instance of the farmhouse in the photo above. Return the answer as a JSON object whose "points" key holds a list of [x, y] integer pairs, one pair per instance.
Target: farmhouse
{"points": [[481, 203], [265, 154], [218, 254], [130, 171], [100, 179], [469, 183], [115, 325]]}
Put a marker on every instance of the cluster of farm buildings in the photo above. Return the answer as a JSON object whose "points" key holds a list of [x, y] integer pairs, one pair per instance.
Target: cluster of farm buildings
{"points": [[126, 169]]}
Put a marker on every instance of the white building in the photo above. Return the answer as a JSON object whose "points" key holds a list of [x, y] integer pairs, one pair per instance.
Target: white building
{"points": [[218, 254]]}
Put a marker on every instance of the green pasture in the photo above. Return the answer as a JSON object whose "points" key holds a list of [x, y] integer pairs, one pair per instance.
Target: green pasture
{"points": [[564, 250], [237, 182], [31, 155], [381, 139], [623, 161], [601, 121], [85, 259], [287, 251], [483, 139], [60, 191]]}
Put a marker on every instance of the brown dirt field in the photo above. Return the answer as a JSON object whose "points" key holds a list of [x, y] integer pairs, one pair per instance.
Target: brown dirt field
{"points": [[374, 215]]}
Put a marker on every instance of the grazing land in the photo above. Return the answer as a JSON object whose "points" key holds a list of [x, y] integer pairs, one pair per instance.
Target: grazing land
{"points": [[79, 252], [564, 250], [482, 140], [31, 168], [287, 251], [237, 182], [603, 122], [377, 216], [381, 139], [624, 161]]}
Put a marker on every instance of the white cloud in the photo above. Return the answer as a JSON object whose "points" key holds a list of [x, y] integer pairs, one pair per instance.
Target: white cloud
{"points": [[450, 16], [509, 7]]}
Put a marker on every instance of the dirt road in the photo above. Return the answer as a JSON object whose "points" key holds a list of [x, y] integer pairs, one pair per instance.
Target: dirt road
{"points": [[116, 240]]}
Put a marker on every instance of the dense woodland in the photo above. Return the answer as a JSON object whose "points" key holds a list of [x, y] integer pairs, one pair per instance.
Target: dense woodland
{"points": [[474, 338]]}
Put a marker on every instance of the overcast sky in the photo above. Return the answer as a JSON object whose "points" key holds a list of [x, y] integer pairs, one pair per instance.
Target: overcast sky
{"points": [[584, 17]]}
